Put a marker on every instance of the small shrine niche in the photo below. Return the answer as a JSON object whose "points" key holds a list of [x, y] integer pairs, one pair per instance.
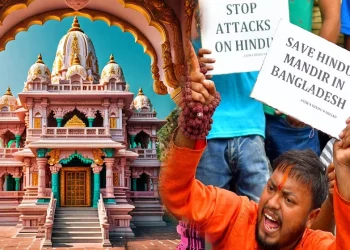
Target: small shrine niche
{"points": [[142, 139], [75, 118]]}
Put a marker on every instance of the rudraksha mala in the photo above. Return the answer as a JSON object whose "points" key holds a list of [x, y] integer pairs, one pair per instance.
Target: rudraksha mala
{"points": [[196, 118]]}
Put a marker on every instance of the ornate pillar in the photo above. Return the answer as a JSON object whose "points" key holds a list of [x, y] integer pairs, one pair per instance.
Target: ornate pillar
{"points": [[59, 121], [155, 186], [109, 180], [154, 139], [41, 178], [134, 184], [2, 142], [148, 183], [120, 115], [44, 105], [2, 183], [96, 195], [54, 182], [91, 121], [59, 117], [17, 180], [127, 175], [27, 172], [7, 176], [132, 141], [122, 172], [105, 104], [18, 139], [30, 108], [91, 117]]}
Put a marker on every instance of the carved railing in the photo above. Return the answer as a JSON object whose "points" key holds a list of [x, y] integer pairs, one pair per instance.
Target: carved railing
{"points": [[145, 115], [11, 197], [77, 87], [102, 215], [50, 216], [33, 134], [145, 153], [141, 194], [75, 132], [8, 114], [7, 152]]}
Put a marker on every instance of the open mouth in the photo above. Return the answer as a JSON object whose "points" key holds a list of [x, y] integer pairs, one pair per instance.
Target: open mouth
{"points": [[271, 223]]}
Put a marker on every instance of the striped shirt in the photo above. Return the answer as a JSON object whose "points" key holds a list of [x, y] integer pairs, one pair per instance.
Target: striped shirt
{"points": [[327, 153]]}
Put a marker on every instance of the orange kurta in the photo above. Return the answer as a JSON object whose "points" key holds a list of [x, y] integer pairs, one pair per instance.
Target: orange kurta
{"points": [[229, 220]]}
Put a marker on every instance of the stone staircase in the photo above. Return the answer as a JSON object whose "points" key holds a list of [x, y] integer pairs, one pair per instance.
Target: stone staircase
{"points": [[76, 225]]}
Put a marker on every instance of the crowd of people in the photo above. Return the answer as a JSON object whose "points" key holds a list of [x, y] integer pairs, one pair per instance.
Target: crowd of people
{"points": [[261, 181]]}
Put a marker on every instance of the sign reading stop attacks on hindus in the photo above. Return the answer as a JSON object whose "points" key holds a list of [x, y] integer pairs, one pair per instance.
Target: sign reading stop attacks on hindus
{"points": [[239, 32], [306, 77]]}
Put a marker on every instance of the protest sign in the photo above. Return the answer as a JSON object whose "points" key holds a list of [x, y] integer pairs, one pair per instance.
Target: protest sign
{"points": [[306, 77], [239, 32]]}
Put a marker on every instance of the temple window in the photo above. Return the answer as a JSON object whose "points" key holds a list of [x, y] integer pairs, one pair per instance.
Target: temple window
{"points": [[142, 140], [51, 121], [143, 183], [37, 120], [113, 121], [5, 109], [82, 118], [98, 121]]}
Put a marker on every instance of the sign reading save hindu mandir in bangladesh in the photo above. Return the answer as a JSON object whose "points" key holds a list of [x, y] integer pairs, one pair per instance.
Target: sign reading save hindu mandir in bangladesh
{"points": [[239, 32], [306, 77]]}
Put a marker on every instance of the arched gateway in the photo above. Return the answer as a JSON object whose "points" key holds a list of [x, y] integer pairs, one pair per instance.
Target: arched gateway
{"points": [[79, 152]]}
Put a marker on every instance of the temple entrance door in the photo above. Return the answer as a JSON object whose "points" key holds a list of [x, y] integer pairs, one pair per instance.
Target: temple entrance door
{"points": [[75, 186]]}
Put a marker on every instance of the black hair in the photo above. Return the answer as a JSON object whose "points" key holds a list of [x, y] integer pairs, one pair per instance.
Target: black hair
{"points": [[306, 168]]}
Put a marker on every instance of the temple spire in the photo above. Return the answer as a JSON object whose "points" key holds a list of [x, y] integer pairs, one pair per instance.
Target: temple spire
{"points": [[111, 59], [8, 92], [75, 26], [40, 59]]}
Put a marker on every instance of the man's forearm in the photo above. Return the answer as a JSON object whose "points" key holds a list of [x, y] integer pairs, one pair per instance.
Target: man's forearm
{"points": [[182, 141], [343, 184], [330, 30], [330, 11]]}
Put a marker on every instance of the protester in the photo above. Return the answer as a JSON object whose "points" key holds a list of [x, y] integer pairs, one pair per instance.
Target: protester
{"points": [[284, 133], [289, 204]]}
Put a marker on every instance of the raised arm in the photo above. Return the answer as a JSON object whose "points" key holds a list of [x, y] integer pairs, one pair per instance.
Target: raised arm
{"points": [[341, 196], [211, 209], [330, 11]]}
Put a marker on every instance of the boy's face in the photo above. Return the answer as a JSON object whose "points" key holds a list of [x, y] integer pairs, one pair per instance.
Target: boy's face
{"points": [[285, 210]]}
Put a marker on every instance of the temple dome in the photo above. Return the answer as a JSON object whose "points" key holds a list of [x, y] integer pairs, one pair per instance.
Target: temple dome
{"points": [[39, 70], [112, 70], [141, 102], [8, 102], [76, 69], [75, 42]]}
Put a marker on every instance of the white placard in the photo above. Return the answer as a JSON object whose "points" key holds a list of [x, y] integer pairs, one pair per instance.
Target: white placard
{"points": [[307, 77], [239, 32]]}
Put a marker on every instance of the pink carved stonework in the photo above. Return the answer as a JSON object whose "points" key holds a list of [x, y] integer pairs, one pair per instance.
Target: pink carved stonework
{"points": [[96, 169], [41, 176], [55, 168], [77, 89], [109, 177], [77, 4]]}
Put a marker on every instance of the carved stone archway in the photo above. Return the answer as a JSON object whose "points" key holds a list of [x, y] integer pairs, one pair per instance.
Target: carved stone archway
{"points": [[167, 61]]}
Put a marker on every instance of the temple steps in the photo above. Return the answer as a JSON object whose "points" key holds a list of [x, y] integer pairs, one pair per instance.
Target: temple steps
{"points": [[76, 225]]}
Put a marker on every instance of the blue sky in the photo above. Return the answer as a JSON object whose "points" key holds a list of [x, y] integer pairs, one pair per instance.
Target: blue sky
{"points": [[21, 53]]}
